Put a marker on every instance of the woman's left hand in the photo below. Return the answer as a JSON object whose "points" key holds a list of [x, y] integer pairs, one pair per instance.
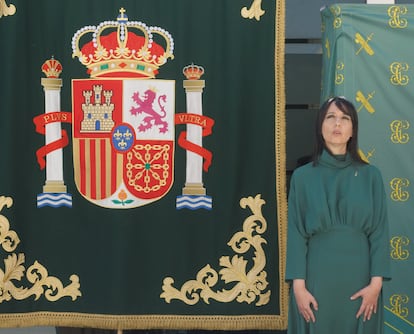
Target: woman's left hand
{"points": [[369, 296]]}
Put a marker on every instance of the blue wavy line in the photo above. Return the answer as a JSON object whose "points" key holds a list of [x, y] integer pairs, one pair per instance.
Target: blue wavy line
{"points": [[54, 204], [193, 207], [54, 196], [194, 199]]}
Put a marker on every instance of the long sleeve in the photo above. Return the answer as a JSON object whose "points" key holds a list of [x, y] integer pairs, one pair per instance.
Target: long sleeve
{"points": [[296, 240], [379, 235]]}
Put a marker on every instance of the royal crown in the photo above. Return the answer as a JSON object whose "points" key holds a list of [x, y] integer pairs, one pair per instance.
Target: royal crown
{"points": [[52, 68], [123, 48], [193, 72]]}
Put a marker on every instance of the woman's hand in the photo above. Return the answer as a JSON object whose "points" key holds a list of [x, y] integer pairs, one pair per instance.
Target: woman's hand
{"points": [[369, 296], [304, 300]]}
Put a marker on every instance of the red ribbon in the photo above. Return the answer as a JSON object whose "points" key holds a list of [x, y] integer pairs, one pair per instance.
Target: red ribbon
{"points": [[207, 124], [40, 122]]}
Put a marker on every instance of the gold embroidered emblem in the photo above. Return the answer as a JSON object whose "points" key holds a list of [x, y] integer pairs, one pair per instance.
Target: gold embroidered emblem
{"points": [[398, 194], [246, 287], [360, 97], [5, 9], [148, 166], [339, 77], [14, 270], [336, 12], [397, 77], [399, 248], [328, 48], [396, 21], [364, 156], [398, 135], [364, 44], [398, 303], [255, 10], [100, 112]]}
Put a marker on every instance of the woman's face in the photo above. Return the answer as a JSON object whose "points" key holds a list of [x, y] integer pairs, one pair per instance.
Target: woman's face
{"points": [[336, 129]]}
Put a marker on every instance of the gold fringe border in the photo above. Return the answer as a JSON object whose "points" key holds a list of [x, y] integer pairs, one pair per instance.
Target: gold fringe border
{"points": [[126, 322], [280, 144], [215, 322]]}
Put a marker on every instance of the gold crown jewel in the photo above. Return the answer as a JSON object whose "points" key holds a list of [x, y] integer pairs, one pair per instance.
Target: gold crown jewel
{"points": [[123, 48], [193, 72]]}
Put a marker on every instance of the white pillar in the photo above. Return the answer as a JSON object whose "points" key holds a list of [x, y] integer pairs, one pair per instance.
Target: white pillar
{"points": [[194, 167]]}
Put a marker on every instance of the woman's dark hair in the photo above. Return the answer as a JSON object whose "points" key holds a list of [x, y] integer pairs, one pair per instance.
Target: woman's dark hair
{"points": [[348, 109]]}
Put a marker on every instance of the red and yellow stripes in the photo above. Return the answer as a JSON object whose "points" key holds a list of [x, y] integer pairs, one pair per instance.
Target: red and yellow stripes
{"points": [[98, 168]]}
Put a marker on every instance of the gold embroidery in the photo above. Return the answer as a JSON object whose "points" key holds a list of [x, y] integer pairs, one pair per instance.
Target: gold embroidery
{"points": [[364, 156], [359, 39], [397, 77], [336, 12], [398, 136], [246, 286], [397, 305], [339, 77], [328, 48], [5, 9], [360, 97], [398, 193], [36, 274], [399, 245], [395, 13], [8, 239], [255, 10]]}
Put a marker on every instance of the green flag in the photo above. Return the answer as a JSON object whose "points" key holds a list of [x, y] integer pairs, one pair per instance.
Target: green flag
{"points": [[368, 59], [142, 178]]}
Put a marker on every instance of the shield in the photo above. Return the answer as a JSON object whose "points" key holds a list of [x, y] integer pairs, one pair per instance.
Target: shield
{"points": [[123, 140]]}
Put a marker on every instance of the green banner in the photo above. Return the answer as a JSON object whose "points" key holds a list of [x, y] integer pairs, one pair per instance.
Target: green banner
{"points": [[142, 178], [368, 56]]}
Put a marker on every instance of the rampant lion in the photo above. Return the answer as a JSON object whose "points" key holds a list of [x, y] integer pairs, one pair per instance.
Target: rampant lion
{"points": [[145, 105]]}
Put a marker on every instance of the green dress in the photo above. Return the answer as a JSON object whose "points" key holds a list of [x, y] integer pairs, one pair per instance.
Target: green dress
{"points": [[337, 240]]}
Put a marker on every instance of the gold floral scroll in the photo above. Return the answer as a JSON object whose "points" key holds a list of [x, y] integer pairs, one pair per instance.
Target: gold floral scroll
{"points": [[37, 275], [247, 286]]}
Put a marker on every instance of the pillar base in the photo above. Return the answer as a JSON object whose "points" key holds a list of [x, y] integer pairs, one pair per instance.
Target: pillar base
{"points": [[194, 189], [54, 187]]}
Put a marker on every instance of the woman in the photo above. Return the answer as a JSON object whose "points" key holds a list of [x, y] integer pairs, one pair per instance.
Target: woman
{"points": [[337, 252]]}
